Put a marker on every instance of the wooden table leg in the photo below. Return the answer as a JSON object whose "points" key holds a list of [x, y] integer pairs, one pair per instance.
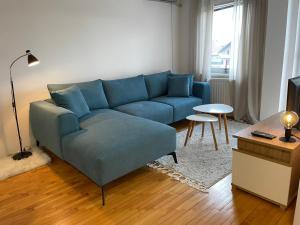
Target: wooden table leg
{"points": [[193, 125], [188, 133], [226, 129], [214, 136], [203, 128], [220, 119]]}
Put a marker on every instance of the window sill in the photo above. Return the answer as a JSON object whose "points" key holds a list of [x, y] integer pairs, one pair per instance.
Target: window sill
{"points": [[216, 76]]}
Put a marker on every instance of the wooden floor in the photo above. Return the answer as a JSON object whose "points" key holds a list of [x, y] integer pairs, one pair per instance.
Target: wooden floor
{"points": [[59, 194]]}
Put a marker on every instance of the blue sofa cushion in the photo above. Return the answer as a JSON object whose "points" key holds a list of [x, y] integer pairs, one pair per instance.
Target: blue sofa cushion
{"points": [[183, 106], [117, 145], [124, 91], [156, 111], [179, 86], [191, 79], [97, 116], [157, 84], [72, 99], [92, 92], [202, 90]]}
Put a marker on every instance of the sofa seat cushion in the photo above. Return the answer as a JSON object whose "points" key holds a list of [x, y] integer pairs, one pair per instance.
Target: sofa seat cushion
{"points": [[156, 111], [124, 91], [97, 116], [116, 146], [183, 106]]}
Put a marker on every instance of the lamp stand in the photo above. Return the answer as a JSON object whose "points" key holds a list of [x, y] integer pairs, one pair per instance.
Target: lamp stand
{"points": [[23, 153], [287, 136]]}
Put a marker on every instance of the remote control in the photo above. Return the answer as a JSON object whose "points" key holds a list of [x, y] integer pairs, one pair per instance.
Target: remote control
{"points": [[262, 134]]}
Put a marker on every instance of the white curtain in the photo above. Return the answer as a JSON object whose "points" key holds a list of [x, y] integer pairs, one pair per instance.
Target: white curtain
{"points": [[204, 23], [236, 36], [291, 60], [248, 56]]}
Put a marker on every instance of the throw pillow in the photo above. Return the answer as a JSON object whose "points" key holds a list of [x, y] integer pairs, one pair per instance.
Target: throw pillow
{"points": [[178, 86], [92, 92], [72, 99], [191, 80]]}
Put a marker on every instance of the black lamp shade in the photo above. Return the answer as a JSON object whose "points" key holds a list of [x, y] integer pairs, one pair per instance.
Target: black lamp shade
{"points": [[32, 60]]}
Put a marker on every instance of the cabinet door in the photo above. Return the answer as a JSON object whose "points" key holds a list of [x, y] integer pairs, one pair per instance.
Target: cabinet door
{"points": [[262, 177]]}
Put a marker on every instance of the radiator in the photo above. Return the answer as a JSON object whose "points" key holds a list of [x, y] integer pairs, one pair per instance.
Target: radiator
{"points": [[220, 91]]}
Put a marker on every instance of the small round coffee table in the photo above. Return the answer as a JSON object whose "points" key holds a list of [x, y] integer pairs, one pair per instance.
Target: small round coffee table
{"points": [[202, 118], [217, 109]]}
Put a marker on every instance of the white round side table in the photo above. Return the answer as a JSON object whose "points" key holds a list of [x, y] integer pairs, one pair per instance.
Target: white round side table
{"points": [[202, 118], [217, 109]]}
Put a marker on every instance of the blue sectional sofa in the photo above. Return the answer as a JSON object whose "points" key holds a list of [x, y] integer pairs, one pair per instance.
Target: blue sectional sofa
{"points": [[126, 128]]}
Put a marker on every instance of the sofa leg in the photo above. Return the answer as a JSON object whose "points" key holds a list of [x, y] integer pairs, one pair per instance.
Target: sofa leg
{"points": [[174, 157], [103, 196]]}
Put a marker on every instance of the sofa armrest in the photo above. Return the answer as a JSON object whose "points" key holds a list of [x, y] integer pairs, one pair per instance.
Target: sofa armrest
{"points": [[202, 90], [49, 123]]}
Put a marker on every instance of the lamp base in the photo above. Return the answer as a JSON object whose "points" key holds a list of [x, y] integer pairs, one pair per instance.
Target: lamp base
{"points": [[22, 155], [288, 140]]}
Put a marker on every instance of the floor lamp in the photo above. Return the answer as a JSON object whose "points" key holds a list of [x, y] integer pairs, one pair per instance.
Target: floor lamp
{"points": [[32, 61]]}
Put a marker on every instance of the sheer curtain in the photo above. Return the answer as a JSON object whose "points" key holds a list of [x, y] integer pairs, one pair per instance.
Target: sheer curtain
{"points": [[248, 56], [291, 60], [236, 37], [205, 12], [247, 53]]}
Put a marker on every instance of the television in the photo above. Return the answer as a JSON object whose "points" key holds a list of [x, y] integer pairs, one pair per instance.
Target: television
{"points": [[293, 97]]}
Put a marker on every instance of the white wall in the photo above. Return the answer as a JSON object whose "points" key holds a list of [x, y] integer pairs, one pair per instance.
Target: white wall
{"points": [[185, 37], [77, 40], [274, 52]]}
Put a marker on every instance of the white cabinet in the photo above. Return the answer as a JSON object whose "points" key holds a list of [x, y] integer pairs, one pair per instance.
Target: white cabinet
{"points": [[261, 177], [267, 168]]}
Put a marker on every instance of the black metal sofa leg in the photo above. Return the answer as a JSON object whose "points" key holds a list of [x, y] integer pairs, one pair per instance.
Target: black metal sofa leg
{"points": [[174, 156], [103, 196]]}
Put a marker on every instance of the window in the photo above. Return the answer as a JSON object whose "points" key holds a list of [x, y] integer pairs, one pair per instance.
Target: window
{"points": [[222, 35]]}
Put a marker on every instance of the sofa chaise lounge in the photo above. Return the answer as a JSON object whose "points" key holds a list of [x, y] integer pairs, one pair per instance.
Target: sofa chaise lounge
{"points": [[127, 126]]}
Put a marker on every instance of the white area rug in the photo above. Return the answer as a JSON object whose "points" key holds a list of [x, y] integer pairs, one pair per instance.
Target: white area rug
{"points": [[199, 164], [10, 167]]}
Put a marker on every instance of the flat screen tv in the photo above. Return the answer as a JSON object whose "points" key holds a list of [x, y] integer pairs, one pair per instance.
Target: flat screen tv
{"points": [[293, 96]]}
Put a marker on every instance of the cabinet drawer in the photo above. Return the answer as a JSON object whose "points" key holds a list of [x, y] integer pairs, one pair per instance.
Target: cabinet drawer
{"points": [[266, 152]]}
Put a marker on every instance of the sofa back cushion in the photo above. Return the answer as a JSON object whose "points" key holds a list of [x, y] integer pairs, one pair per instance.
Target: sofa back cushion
{"points": [[72, 99], [123, 91], [157, 84], [92, 92]]}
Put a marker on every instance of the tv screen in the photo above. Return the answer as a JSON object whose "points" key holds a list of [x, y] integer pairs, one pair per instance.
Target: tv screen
{"points": [[293, 96]]}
